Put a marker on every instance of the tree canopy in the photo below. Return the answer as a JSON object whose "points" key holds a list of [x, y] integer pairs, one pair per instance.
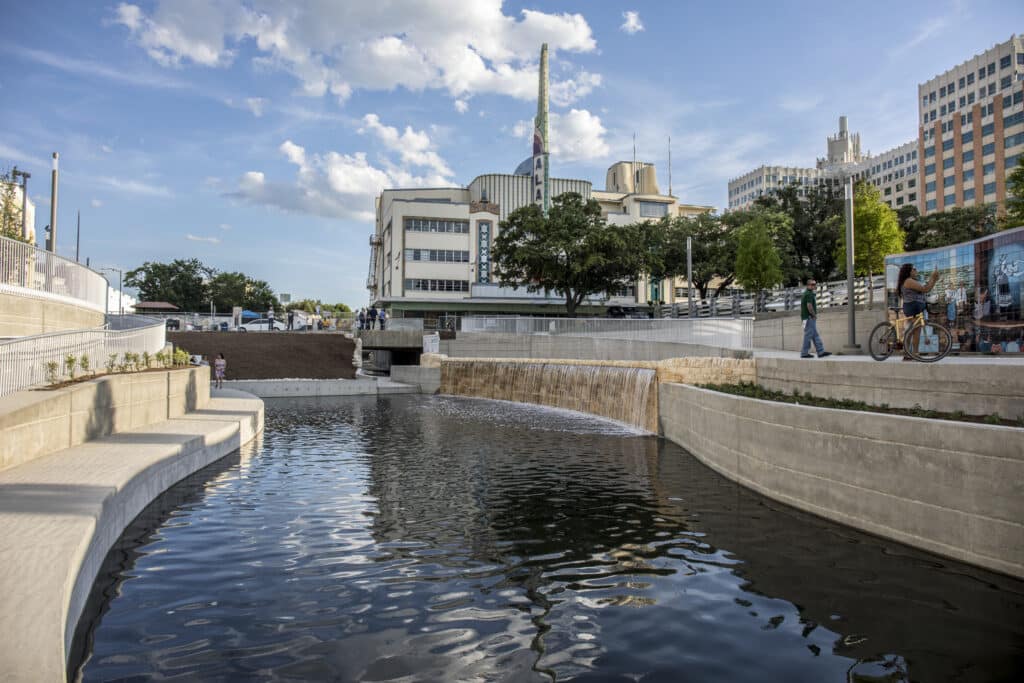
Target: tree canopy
{"points": [[758, 264], [1015, 195], [571, 251], [10, 207], [191, 286], [876, 233]]}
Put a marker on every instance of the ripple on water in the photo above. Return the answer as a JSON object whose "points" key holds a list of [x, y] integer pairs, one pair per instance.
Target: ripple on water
{"points": [[444, 539]]}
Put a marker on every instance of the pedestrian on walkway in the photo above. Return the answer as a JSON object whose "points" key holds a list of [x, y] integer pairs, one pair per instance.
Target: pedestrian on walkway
{"points": [[270, 317], [291, 320], [220, 366], [809, 316], [373, 316], [382, 317], [361, 317]]}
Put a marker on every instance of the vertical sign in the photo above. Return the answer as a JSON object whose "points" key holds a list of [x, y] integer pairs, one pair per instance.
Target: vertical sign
{"points": [[483, 250]]}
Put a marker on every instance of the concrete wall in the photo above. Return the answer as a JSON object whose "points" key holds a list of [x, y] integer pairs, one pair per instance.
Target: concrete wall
{"points": [[427, 379], [952, 488], [23, 316], [280, 388], [487, 345], [36, 423], [976, 388], [784, 331]]}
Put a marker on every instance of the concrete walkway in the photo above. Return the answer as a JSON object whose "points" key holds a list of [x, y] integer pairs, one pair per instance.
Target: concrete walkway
{"points": [[61, 513], [1008, 359]]}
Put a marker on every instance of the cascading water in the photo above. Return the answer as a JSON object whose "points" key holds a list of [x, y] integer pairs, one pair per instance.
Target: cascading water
{"points": [[621, 393]]}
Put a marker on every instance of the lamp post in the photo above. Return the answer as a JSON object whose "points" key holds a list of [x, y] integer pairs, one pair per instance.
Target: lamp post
{"points": [[53, 205], [689, 276], [851, 346], [120, 288]]}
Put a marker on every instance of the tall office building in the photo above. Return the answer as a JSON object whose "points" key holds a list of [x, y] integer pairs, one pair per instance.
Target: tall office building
{"points": [[971, 130]]}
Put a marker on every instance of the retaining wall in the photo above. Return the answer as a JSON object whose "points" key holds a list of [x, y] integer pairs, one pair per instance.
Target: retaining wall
{"points": [[543, 346], [975, 386], [953, 488], [35, 423], [280, 388], [784, 331], [428, 379], [24, 316]]}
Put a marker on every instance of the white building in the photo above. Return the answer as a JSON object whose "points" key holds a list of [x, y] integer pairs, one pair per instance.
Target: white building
{"points": [[29, 231], [889, 171]]}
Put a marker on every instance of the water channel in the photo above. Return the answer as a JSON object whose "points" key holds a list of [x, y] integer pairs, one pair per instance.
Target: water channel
{"points": [[437, 538]]}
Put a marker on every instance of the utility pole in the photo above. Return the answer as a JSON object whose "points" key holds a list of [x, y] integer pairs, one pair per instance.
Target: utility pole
{"points": [[689, 275], [52, 246], [78, 236]]}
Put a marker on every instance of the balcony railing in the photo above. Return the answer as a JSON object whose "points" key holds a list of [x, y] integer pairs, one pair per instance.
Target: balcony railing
{"points": [[27, 270]]}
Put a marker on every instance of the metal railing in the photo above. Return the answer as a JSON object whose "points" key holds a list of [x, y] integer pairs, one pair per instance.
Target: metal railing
{"points": [[828, 294], [732, 333], [23, 361], [28, 270]]}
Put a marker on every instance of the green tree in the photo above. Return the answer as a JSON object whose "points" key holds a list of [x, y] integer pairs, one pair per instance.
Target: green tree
{"points": [[758, 264], [228, 290], [909, 219], [817, 223], [183, 282], [10, 206], [713, 243], [780, 229], [571, 251], [876, 233], [958, 224], [259, 296], [1015, 196]]}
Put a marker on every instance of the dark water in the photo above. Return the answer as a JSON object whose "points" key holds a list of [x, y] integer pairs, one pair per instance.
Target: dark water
{"points": [[440, 539]]}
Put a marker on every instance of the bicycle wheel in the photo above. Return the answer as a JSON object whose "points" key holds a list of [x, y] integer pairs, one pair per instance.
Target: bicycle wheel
{"points": [[882, 341], [930, 343]]}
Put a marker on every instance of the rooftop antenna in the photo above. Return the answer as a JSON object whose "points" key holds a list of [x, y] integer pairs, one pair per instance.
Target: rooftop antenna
{"points": [[669, 165]]}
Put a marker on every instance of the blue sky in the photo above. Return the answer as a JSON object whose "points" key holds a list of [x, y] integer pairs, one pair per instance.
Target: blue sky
{"points": [[254, 134]]}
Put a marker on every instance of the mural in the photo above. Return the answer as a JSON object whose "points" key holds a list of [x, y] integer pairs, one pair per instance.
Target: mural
{"points": [[978, 294]]}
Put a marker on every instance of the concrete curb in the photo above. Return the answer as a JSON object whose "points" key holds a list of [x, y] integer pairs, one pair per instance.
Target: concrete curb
{"points": [[60, 514], [280, 388]]}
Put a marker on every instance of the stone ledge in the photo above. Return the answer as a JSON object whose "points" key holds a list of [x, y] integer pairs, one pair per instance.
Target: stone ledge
{"points": [[60, 515]]}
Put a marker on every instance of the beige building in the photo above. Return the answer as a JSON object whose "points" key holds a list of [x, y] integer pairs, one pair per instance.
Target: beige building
{"points": [[29, 231], [971, 129], [430, 251]]}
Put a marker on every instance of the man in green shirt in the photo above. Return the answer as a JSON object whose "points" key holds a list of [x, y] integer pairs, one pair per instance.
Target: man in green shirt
{"points": [[809, 316]]}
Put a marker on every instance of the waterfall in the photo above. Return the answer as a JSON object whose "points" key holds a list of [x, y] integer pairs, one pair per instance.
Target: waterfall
{"points": [[625, 394]]}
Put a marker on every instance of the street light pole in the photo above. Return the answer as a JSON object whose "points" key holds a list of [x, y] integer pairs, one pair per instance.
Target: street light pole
{"points": [[852, 347], [689, 275], [53, 205]]}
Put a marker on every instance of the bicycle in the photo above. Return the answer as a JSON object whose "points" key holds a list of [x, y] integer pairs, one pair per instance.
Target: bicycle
{"points": [[933, 345]]}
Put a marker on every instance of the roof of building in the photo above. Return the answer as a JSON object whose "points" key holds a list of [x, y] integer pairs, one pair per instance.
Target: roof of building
{"points": [[155, 306]]}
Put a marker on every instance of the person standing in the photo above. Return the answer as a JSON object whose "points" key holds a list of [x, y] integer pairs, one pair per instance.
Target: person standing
{"points": [[270, 317], [361, 318], [373, 316], [809, 316], [382, 317], [291, 320], [220, 366]]}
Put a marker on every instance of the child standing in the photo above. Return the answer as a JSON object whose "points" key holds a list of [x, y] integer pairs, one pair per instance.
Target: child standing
{"points": [[220, 365]]}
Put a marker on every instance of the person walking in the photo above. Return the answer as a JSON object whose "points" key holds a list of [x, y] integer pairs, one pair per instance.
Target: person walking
{"points": [[382, 317], [220, 366], [809, 316], [291, 320], [373, 316], [361, 317]]}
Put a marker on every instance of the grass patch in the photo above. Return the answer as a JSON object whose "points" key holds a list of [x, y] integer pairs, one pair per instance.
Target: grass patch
{"points": [[752, 390]]}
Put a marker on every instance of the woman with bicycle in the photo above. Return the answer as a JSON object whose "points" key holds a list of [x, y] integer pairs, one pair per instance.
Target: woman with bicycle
{"points": [[914, 296]]}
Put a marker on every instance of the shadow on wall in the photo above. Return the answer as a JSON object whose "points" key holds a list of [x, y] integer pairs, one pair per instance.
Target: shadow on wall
{"points": [[101, 417], [191, 394]]}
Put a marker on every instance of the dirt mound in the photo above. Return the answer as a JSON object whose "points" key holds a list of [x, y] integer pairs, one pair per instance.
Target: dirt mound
{"points": [[273, 355]]}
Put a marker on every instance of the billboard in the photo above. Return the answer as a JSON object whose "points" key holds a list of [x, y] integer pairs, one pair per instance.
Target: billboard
{"points": [[978, 293]]}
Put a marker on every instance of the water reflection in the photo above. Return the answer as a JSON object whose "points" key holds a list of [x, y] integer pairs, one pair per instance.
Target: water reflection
{"points": [[453, 539]]}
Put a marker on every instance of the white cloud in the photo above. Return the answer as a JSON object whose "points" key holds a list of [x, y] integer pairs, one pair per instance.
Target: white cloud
{"points": [[336, 185], [464, 48], [255, 105], [106, 149], [570, 90], [461, 106], [95, 203], [196, 238], [81, 67], [800, 103], [134, 187], [224, 226], [575, 136], [632, 24]]}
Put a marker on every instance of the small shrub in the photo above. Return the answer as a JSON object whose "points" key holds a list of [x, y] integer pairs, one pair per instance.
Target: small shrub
{"points": [[181, 357], [147, 360], [111, 363], [70, 363], [126, 361], [52, 369], [993, 419], [159, 358], [83, 363]]}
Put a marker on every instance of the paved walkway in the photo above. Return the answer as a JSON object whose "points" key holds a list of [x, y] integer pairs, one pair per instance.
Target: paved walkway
{"points": [[1009, 359], [61, 513]]}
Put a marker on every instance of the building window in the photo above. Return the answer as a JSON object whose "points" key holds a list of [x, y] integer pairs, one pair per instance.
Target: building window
{"points": [[990, 188], [968, 176], [1014, 140], [942, 110], [942, 91], [630, 290], [1020, 60], [949, 199], [970, 99], [965, 138], [912, 197], [949, 181], [888, 192], [653, 209], [1006, 101], [929, 151], [970, 80], [437, 255], [968, 194], [991, 88], [990, 148], [960, 84], [947, 162], [1018, 97], [928, 187], [1005, 82], [929, 206], [928, 170], [1005, 62], [912, 183], [991, 68], [987, 129], [436, 225], [988, 168], [423, 285], [981, 73], [947, 145], [483, 250]]}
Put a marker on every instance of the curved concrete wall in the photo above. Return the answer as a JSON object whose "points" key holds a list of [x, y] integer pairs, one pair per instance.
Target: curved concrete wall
{"points": [[542, 346], [23, 316], [953, 488]]}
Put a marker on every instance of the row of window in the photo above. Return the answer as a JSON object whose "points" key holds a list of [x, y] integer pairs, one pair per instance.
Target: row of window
{"points": [[423, 285], [435, 225], [437, 255], [1004, 63]]}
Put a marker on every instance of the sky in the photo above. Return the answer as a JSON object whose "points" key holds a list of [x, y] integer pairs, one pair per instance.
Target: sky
{"points": [[254, 134]]}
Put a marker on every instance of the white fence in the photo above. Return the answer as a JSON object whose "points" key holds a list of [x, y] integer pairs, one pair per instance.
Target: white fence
{"points": [[28, 270], [732, 333], [828, 294], [23, 361]]}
